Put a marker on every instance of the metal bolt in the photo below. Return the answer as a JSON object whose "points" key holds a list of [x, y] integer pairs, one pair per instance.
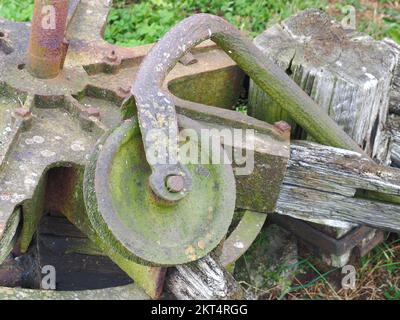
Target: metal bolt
{"points": [[188, 59], [112, 56], [175, 184], [282, 126]]}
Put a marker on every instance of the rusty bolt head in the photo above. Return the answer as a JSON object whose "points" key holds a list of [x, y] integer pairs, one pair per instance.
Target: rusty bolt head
{"points": [[125, 90], [112, 56], [188, 59], [23, 112], [92, 112], [175, 184], [282, 126]]}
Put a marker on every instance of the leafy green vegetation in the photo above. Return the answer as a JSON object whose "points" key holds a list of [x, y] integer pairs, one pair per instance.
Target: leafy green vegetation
{"points": [[17, 10], [379, 18], [146, 21], [377, 275], [138, 22]]}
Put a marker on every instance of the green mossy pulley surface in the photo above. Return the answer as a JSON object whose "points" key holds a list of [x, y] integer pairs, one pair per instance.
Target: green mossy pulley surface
{"points": [[127, 216]]}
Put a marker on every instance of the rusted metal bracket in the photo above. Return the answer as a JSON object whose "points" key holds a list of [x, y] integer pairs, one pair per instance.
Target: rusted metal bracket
{"points": [[156, 109]]}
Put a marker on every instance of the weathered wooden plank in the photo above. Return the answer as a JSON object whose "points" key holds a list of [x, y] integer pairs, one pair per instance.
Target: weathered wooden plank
{"points": [[204, 279], [394, 98], [340, 170], [326, 185], [394, 125], [396, 149], [306, 203], [394, 108]]}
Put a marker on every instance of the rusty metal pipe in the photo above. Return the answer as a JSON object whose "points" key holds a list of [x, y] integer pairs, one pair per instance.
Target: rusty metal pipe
{"points": [[46, 51]]}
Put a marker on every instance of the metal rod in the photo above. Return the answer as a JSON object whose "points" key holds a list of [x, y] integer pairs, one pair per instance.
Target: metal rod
{"points": [[46, 48], [267, 75]]}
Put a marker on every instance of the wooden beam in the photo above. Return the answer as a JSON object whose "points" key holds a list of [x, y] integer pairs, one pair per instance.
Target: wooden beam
{"points": [[333, 187]]}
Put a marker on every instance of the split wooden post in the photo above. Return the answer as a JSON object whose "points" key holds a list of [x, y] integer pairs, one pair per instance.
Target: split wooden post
{"points": [[394, 109], [349, 74], [394, 125]]}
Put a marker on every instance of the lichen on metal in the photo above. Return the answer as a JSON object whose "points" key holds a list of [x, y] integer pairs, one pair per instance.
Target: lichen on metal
{"points": [[74, 121], [129, 217], [54, 123]]}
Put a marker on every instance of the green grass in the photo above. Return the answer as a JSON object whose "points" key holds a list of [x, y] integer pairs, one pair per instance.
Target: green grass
{"points": [[384, 21], [378, 277], [384, 260], [377, 273], [17, 10], [146, 21]]}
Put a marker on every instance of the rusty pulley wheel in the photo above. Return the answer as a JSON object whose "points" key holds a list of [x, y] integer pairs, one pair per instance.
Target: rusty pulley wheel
{"points": [[131, 219]]}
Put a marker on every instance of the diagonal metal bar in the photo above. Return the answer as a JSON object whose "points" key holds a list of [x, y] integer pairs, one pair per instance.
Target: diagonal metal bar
{"points": [[88, 20]]}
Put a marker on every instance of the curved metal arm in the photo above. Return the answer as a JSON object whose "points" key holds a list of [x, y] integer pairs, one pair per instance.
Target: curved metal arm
{"points": [[157, 116]]}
